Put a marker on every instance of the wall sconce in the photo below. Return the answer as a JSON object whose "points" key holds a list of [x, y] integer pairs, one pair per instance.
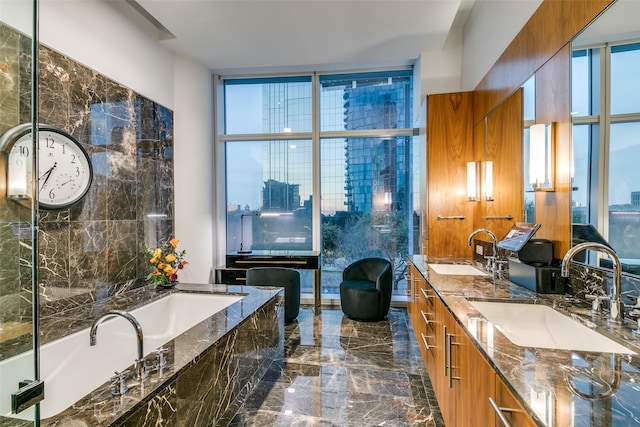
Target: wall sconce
{"points": [[541, 164], [473, 182], [19, 179], [487, 181]]}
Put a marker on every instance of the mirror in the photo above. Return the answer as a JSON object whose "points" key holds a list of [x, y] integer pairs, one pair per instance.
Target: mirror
{"points": [[605, 134]]}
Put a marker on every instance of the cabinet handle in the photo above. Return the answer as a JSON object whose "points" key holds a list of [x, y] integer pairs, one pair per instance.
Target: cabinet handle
{"points": [[424, 316], [426, 343], [441, 217], [444, 346], [424, 292], [499, 217], [449, 343], [447, 363], [499, 413], [270, 262]]}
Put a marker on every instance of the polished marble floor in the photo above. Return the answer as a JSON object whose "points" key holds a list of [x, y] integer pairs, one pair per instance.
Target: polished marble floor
{"points": [[340, 372]]}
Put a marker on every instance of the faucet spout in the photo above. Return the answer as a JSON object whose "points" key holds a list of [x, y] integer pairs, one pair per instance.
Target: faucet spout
{"points": [[616, 312], [136, 325], [490, 233]]}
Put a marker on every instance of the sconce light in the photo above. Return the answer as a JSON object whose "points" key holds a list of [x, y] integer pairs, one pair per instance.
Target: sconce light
{"points": [[473, 182], [18, 179], [541, 157], [487, 180]]}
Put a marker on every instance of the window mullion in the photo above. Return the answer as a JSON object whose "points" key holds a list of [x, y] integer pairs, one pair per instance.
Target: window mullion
{"points": [[605, 132]]}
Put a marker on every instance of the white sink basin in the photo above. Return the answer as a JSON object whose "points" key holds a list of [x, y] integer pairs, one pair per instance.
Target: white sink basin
{"points": [[533, 325], [457, 269]]}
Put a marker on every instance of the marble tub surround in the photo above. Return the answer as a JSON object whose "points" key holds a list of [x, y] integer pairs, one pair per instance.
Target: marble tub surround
{"points": [[558, 387], [210, 368]]}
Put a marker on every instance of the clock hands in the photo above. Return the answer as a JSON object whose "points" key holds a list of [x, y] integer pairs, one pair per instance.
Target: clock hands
{"points": [[47, 175]]}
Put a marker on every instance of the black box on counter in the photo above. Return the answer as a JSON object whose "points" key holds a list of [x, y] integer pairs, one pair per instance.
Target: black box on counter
{"points": [[543, 279]]}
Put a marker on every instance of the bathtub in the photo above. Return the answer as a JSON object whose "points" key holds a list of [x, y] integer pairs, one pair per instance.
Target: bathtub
{"points": [[72, 369]]}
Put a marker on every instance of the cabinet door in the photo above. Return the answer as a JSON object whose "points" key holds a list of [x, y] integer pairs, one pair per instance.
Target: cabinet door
{"points": [[480, 383], [427, 316], [511, 410]]}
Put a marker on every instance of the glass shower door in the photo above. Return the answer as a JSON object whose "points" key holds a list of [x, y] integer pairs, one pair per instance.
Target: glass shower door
{"points": [[20, 388]]}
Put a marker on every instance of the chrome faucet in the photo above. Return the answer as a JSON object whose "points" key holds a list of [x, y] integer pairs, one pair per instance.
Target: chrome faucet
{"points": [[491, 265], [616, 306], [139, 362]]}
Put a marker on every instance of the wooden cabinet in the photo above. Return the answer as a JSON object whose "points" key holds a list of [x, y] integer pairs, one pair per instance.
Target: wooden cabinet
{"points": [[449, 148], [512, 411], [468, 390]]}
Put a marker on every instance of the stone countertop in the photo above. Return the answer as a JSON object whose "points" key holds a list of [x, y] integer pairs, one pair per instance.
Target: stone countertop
{"points": [[557, 387], [99, 407]]}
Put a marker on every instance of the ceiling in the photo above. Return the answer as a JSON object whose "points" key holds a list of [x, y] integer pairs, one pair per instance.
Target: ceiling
{"points": [[247, 36]]}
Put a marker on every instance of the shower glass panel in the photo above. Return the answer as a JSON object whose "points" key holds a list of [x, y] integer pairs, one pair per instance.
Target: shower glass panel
{"points": [[18, 292]]}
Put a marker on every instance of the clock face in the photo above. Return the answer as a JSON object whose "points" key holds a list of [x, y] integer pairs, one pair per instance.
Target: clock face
{"points": [[64, 168]]}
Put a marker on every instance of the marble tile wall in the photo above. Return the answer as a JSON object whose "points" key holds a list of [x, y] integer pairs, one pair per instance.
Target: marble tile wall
{"points": [[583, 279], [92, 249], [211, 391], [15, 221]]}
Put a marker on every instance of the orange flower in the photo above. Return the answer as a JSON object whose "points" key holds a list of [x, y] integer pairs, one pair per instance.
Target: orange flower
{"points": [[165, 262]]}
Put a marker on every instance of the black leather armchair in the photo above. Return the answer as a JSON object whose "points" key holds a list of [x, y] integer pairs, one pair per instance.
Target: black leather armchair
{"points": [[365, 290], [283, 277]]}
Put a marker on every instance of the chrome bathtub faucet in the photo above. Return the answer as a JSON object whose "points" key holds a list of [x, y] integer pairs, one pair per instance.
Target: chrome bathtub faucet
{"points": [[140, 363]]}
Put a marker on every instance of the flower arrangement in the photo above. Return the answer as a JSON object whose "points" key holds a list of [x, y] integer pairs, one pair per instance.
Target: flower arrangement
{"points": [[165, 262]]}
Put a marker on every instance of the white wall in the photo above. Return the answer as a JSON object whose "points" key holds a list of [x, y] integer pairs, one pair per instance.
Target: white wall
{"points": [[441, 70], [111, 40], [194, 174], [489, 30], [18, 14]]}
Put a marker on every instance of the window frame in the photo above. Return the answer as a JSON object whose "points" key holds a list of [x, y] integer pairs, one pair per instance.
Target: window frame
{"points": [[316, 135], [600, 119]]}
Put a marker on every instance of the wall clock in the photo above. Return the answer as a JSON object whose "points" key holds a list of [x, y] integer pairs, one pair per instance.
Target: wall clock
{"points": [[64, 167]]}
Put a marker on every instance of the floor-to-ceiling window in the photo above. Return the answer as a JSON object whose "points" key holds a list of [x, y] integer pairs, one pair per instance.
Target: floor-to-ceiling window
{"points": [[606, 145], [339, 140]]}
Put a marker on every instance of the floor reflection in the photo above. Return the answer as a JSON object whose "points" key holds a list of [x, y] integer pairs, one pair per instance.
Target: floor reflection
{"points": [[340, 372]]}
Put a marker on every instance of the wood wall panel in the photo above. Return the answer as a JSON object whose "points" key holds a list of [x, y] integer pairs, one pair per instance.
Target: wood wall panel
{"points": [[504, 148], [551, 27], [542, 48], [449, 147]]}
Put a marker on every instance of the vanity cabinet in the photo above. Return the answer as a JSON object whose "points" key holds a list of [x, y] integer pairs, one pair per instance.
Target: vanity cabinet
{"points": [[463, 379], [509, 407]]}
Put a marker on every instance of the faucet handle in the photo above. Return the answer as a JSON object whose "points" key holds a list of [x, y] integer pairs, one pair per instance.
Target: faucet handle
{"points": [[596, 305], [635, 313], [140, 365], [160, 356], [160, 362], [118, 383], [636, 300]]}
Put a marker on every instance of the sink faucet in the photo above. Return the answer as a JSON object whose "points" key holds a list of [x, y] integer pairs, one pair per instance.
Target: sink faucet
{"points": [[140, 362], [490, 260], [616, 306]]}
